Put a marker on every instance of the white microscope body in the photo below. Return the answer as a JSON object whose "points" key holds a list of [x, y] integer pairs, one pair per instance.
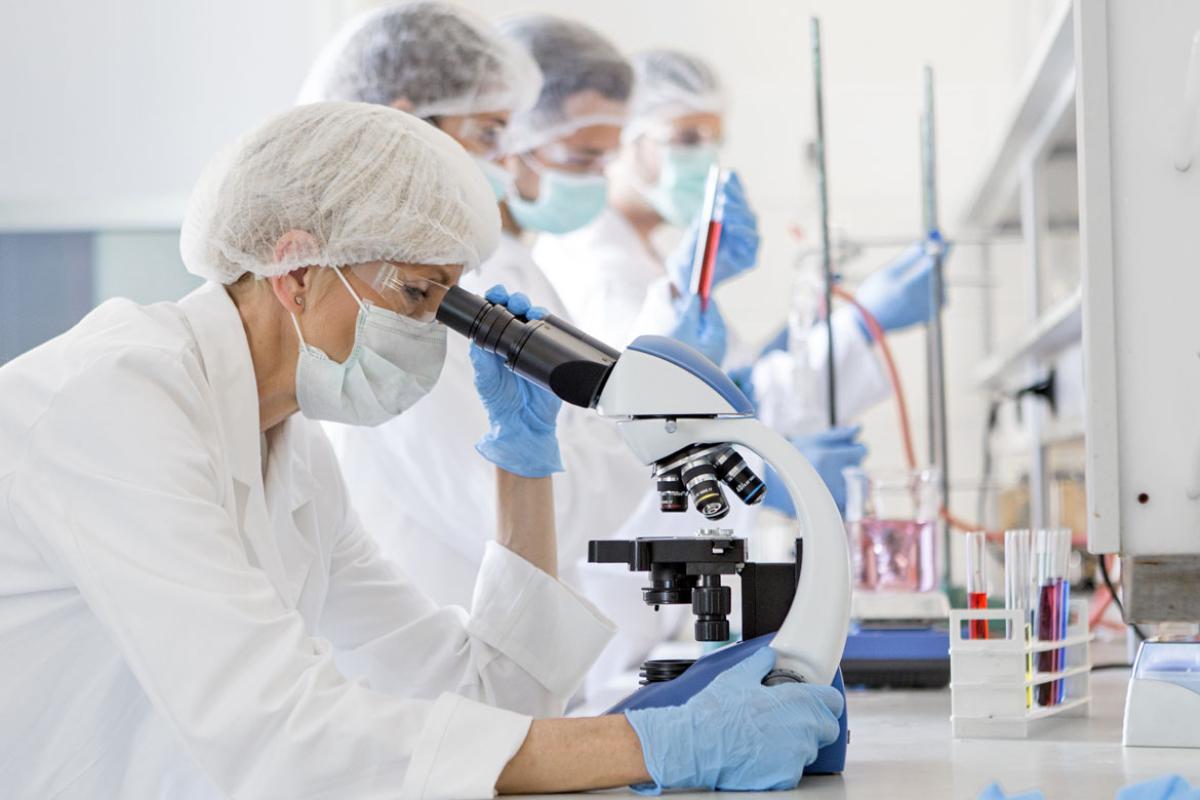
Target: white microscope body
{"points": [[663, 403]]}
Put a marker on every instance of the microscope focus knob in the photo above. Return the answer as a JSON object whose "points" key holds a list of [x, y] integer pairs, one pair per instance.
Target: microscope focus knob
{"points": [[712, 630]]}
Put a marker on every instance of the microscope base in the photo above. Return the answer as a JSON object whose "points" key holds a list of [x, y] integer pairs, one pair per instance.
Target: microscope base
{"points": [[830, 760]]}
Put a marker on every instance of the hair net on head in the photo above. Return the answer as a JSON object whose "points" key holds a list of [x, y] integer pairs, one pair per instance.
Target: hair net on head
{"points": [[368, 183], [439, 58], [669, 84], [573, 58]]}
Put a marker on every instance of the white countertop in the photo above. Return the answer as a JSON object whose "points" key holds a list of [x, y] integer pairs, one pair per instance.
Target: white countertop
{"points": [[901, 746]]}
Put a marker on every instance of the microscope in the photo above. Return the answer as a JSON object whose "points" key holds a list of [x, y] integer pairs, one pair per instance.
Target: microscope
{"points": [[682, 417]]}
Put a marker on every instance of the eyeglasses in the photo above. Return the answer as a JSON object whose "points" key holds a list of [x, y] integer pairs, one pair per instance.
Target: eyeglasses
{"points": [[403, 290], [557, 155]]}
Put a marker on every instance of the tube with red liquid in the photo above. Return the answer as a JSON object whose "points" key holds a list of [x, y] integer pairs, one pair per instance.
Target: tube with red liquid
{"points": [[977, 596], [704, 261]]}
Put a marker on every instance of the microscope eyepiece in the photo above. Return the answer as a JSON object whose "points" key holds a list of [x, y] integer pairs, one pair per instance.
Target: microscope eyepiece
{"points": [[550, 352]]}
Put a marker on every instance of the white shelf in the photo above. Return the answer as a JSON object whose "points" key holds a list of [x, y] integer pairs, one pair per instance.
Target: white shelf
{"points": [[1058, 328], [1042, 121]]}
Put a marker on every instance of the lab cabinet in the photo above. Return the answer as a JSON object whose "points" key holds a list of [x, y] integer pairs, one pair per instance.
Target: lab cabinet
{"points": [[1138, 89]]}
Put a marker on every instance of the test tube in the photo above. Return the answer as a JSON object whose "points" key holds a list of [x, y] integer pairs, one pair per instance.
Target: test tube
{"points": [[1063, 552], [1017, 554], [1047, 611], [977, 581]]}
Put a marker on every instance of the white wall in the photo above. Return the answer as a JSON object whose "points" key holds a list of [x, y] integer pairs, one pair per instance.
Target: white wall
{"points": [[112, 108]]}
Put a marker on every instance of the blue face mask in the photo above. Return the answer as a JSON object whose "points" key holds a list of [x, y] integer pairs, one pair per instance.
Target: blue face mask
{"points": [[565, 202], [679, 193], [497, 177]]}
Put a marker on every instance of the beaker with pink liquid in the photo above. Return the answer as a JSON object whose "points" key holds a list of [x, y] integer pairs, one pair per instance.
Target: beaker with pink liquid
{"points": [[891, 520]]}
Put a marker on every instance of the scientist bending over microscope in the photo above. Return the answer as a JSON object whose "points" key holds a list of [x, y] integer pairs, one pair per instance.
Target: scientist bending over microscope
{"points": [[188, 606]]}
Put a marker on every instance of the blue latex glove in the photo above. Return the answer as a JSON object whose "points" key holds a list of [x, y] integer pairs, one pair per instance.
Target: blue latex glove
{"points": [[994, 792], [778, 342], [737, 734], [737, 249], [1168, 787], [522, 416], [704, 331], [898, 295], [829, 452]]}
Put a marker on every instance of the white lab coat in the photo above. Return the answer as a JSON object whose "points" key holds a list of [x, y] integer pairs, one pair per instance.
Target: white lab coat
{"points": [[447, 512], [617, 289], [175, 604]]}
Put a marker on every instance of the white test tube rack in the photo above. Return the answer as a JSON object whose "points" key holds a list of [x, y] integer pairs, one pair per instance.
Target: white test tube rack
{"points": [[989, 684]]}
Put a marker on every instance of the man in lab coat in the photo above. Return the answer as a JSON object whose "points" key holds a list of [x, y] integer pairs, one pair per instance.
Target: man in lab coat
{"points": [[189, 607], [612, 279]]}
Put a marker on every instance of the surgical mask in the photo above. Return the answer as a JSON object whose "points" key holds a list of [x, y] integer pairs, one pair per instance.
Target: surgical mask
{"points": [[565, 202], [679, 193], [394, 363], [497, 177]]}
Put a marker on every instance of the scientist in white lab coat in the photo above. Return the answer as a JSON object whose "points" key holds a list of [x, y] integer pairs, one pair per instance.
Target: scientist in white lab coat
{"points": [[617, 286], [189, 607], [559, 139]]}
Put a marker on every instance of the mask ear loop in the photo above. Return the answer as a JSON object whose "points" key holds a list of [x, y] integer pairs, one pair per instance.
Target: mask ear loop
{"points": [[350, 289]]}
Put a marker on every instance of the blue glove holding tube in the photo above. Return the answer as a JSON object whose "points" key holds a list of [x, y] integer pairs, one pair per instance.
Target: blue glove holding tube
{"points": [[737, 249], [704, 331], [829, 452], [522, 416], [737, 734], [899, 294]]}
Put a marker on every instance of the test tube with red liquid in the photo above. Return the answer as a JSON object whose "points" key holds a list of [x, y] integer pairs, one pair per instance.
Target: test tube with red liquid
{"points": [[977, 595], [704, 261]]}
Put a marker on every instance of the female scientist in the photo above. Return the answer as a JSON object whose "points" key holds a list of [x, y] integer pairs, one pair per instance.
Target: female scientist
{"points": [[189, 606]]}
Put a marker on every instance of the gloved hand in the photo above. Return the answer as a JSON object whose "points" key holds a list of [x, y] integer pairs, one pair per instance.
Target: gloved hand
{"points": [[704, 331], [737, 249], [898, 295], [993, 792], [1168, 787], [737, 734], [522, 416], [829, 452]]}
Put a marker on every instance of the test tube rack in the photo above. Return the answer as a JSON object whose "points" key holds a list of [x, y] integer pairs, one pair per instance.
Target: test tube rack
{"points": [[990, 685]]}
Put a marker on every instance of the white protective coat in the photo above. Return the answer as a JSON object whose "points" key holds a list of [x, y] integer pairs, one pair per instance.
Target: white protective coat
{"points": [[603, 493], [178, 609], [616, 288]]}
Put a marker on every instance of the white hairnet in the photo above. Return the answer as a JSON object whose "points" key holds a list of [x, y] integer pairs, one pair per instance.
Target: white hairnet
{"points": [[573, 58], [367, 182], [439, 58], [669, 84]]}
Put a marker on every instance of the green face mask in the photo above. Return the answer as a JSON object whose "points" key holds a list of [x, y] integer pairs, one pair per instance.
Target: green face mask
{"points": [[679, 193]]}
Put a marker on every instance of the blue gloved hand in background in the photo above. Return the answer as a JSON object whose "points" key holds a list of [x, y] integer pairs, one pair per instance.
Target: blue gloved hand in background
{"points": [[829, 452], [898, 295], [1168, 787], [737, 249], [993, 791], [737, 734], [704, 331], [522, 416]]}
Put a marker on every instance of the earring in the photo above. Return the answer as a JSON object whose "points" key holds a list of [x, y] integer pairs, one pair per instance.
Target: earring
{"points": [[299, 301]]}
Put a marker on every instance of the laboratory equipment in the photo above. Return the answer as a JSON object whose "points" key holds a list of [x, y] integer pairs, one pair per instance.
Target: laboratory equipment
{"points": [[1137, 231], [977, 594], [674, 408], [898, 636], [1018, 558], [1163, 701], [823, 211], [890, 520], [704, 259], [991, 684]]}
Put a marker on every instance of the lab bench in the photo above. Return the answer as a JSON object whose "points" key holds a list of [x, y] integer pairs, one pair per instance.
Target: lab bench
{"points": [[901, 747]]}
